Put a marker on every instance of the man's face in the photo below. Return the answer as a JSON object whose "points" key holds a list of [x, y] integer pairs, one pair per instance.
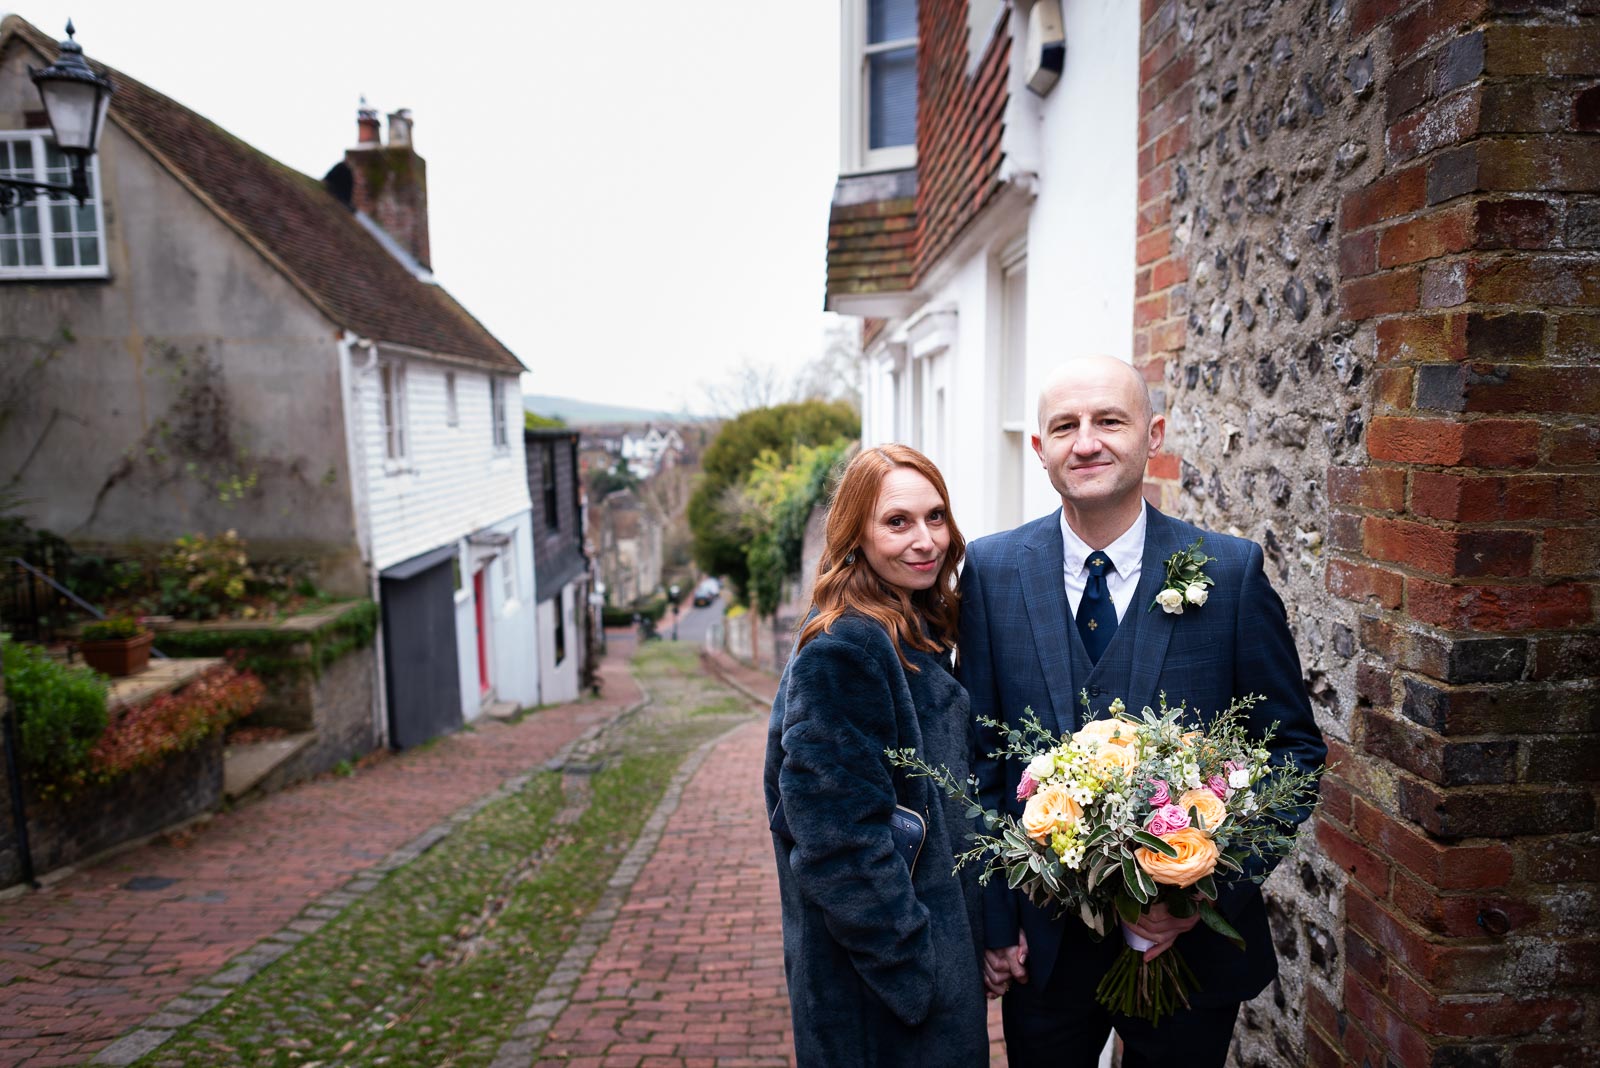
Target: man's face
{"points": [[1094, 435]]}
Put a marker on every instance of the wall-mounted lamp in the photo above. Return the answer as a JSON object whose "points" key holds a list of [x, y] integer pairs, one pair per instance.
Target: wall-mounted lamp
{"points": [[75, 101]]}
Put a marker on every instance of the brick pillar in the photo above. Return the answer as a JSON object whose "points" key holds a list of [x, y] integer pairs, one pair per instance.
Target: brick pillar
{"points": [[1463, 809], [1368, 291], [1166, 98]]}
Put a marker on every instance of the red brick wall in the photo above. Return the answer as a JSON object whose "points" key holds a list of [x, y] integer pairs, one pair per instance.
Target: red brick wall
{"points": [[959, 123], [1464, 533]]}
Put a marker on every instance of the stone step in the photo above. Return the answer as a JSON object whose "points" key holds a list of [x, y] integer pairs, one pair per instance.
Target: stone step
{"points": [[243, 766], [501, 709]]}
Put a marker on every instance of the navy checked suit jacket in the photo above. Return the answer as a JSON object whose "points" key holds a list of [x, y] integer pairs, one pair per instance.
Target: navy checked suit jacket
{"points": [[1014, 655]]}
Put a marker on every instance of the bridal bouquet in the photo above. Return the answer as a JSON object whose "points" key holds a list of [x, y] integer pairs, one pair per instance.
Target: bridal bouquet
{"points": [[1131, 811]]}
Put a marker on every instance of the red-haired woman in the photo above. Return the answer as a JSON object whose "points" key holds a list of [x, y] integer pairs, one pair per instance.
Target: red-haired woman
{"points": [[881, 955]]}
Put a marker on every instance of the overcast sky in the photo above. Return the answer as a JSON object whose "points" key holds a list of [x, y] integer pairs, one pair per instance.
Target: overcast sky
{"points": [[632, 194]]}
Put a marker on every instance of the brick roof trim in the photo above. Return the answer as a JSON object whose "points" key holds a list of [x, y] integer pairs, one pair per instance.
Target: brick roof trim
{"points": [[293, 223]]}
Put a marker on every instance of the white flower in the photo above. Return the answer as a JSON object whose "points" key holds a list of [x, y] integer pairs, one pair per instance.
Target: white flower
{"points": [[1239, 780], [1196, 594], [1042, 766], [1171, 601]]}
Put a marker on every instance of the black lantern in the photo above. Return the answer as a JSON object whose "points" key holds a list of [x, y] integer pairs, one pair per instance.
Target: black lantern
{"points": [[75, 101]]}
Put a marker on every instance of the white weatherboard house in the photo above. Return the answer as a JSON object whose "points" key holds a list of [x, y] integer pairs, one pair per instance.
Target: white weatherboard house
{"points": [[216, 341], [983, 229]]}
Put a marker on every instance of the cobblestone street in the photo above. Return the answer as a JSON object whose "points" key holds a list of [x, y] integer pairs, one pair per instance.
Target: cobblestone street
{"points": [[679, 964]]}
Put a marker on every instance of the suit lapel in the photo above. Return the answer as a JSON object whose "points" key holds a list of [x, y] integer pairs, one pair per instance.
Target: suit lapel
{"points": [[1161, 540], [1045, 595]]}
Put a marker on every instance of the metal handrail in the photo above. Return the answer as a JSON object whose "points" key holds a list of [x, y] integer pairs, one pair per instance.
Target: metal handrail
{"points": [[74, 598]]}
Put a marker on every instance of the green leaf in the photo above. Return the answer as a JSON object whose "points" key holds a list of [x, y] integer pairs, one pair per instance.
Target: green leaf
{"points": [[1150, 841], [1130, 880], [1207, 888], [1101, 833], [1015, 874], [1213, 919], [1127, 908], [1147, 885]]}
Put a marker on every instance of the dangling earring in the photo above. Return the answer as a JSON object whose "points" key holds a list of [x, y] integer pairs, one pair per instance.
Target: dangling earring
{"points": [[850, 557]]}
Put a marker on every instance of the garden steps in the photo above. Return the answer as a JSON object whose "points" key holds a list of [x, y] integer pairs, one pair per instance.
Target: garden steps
{"points": [[161, 676], [244, 766]]}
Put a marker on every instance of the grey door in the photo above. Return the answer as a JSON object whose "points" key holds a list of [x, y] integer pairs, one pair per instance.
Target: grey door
{"points": [[419, 648]]}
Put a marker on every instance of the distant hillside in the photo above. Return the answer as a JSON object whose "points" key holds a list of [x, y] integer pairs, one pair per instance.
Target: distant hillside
{"points": [[588, 413]]}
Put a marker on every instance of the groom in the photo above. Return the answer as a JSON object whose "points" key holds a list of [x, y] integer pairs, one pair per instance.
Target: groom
{"points": [[1061, 606]]}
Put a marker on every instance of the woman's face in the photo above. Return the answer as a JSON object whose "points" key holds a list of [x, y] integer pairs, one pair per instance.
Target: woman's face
{"points": [[908, 534]]}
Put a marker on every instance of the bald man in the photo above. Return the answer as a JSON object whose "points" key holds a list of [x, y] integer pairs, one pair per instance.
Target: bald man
{"points": [[1060, 606]]}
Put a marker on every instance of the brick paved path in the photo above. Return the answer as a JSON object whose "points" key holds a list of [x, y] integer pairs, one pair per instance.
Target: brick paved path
{"points": [[86, 959], [691, 975]]}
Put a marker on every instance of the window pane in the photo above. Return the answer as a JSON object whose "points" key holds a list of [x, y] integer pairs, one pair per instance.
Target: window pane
{"points": [[60, 219], [64, 257], [85, 218], [32, 252], [22, 155], [890, 20], [9, 252], [28, 219], [88, 252], [892, 98]]}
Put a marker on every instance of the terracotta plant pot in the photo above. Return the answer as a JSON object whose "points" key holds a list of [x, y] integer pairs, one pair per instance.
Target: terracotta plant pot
{"points": [[118, 656]]}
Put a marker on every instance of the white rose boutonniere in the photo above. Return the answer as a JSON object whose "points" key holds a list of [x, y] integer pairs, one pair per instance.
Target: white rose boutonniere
{"points": [[1186, 582]]}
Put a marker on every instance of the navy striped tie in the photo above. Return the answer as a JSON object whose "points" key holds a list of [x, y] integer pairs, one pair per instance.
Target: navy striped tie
{"points": [[1097, 616]]}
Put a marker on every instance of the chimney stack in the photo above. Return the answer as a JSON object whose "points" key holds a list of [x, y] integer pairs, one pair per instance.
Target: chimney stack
{"points": [[390, 182]]}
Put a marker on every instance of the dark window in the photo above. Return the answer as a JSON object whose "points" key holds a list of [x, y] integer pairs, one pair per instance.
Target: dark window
{"points": [[577, 500], [547, 464], [561, 628]]}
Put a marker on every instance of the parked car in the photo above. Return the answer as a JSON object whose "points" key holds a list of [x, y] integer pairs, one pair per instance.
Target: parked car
{"points": [[706, 592]]}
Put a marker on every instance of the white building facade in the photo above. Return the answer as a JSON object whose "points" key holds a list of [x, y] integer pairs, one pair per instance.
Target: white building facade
{"points": [[1043, 271]]}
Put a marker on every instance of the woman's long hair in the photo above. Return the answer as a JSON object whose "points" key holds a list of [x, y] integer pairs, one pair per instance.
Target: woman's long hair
{"points": [[925, 619]]}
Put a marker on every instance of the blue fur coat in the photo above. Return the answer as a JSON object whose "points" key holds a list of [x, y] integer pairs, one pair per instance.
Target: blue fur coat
{"points": [[882, 965]]}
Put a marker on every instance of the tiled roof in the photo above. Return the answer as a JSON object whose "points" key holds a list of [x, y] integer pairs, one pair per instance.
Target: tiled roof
{"points": [[313, 238], [960, 120], [869, 246]]}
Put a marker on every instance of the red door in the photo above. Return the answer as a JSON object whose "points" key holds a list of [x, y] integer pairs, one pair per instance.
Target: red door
{"points": [[479, 607]]}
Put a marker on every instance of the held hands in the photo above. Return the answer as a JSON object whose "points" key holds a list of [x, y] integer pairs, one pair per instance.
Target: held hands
{"points": [[1158, 926], [1003, 966]]}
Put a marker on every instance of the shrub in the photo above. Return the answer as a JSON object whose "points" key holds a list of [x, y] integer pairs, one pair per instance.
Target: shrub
{"points": [[60, 710], [112, 629], [175, 722], [202, 577]]}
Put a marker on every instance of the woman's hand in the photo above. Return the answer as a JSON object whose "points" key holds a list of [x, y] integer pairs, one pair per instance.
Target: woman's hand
{"points": [[1002, 967]]}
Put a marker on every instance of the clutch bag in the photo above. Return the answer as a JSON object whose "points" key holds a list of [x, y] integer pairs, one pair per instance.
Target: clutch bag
{"points": [[906, 827]]}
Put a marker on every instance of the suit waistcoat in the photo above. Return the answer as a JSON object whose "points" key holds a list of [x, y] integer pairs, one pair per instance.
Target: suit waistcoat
{"points": [[1113, 675]]}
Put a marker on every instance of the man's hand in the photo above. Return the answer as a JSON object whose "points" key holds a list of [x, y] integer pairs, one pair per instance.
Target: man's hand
{"points": [[1002, 967], [1161, 927]]}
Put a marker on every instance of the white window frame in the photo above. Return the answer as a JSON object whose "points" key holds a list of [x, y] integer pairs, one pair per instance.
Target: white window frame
{"points": [[497, 413], [48, 270], [508, 577], [452, 408], [855, 126], [392, 414]]}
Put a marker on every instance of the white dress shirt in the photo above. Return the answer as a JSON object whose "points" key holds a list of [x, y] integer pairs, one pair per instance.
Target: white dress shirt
{"points": [[1127, 556]]}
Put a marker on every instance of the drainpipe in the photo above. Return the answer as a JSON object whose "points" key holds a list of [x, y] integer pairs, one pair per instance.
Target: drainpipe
{"points": [[350, 379]]}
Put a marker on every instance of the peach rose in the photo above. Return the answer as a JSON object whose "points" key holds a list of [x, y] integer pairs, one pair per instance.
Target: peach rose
{"points": [[1208, 804], [1101, 730], [1116, 761], [1049, 810], [1197, 858]]}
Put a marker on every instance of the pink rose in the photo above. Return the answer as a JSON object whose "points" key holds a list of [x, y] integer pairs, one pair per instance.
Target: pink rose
{"points": [[1026, 787], [1166, 820], [1160, 796], [1219, 786]]}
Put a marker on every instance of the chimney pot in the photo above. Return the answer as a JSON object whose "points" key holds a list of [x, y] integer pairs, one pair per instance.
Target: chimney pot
{"points": [[366, 124], [400, 128]]}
